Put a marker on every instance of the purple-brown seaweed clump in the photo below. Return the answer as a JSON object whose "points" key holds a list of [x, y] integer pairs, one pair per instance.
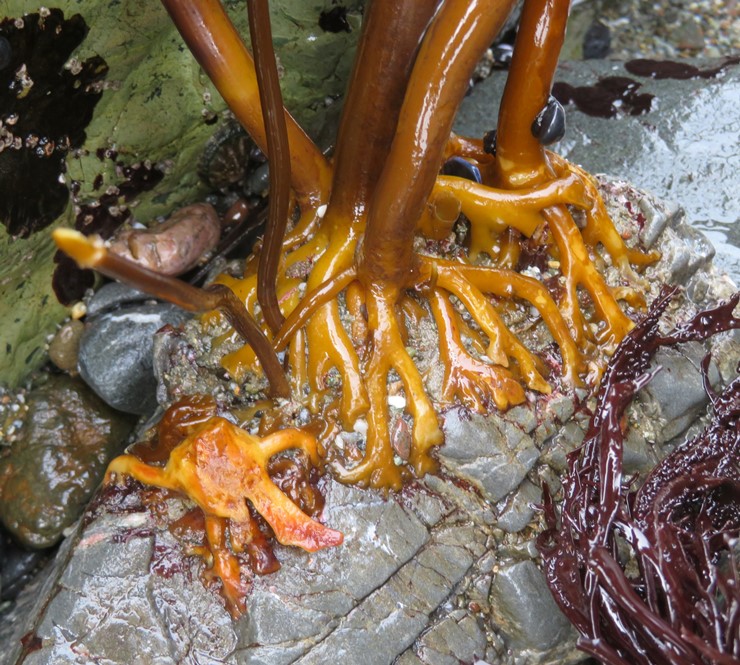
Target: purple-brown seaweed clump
{"points": [[652, 576]]}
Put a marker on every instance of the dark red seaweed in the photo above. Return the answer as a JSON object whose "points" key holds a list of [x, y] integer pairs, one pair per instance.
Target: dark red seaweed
{"points": [[651, 576]]}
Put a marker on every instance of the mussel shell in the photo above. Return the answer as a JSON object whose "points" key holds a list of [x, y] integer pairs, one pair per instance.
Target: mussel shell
{"points": [[549, 125], [461, 168], [489, 142]]}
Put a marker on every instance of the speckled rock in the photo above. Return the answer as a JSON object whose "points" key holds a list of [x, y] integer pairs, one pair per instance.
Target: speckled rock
{"points": [[116, 354], [50, 472]]}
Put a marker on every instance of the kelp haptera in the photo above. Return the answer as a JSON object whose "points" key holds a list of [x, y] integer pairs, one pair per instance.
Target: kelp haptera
{"points": [[652, 576], [369, 219], [361, 211]]}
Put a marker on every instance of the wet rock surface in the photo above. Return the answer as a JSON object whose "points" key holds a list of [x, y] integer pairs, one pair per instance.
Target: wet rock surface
{"points": [[49, 473], [683, 148], [17, 566], [444, 572], [115, 355]]}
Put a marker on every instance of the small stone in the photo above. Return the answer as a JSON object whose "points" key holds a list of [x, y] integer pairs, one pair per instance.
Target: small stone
{"points": [[112, 295], [524, 417], [116, 354], [638, 456], [689, 35], [64, 348], [17, 566], [48, 474], [561, 406], [657, 216], [597, 41]]}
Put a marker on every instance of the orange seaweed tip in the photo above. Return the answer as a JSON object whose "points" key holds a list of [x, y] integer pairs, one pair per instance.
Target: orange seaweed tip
{"points": [[87, 252]]}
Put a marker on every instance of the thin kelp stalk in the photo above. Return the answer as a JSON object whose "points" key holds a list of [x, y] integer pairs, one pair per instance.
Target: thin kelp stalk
{"points": [[215, 43], [521, 162], [91, 253], [278, 152], [456, 39], [520, 158]]}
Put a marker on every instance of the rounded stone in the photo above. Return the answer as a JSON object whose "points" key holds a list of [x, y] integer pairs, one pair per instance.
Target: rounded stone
{"points": [[17, 566], [116, 354], [49, 473], [64, 348], [112, 295]]}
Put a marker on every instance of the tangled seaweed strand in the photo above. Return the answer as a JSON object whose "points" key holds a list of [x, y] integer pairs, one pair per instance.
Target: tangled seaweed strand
{"points": [[675, 597]]}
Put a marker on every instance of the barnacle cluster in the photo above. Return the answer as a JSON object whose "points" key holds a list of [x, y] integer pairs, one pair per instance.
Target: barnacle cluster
{"points": [[341, 289]]}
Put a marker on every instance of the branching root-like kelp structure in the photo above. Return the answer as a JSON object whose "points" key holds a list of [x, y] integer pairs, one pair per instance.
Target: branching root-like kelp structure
{"points": [[363, 250], [358, 244], [652, 576], [220, 467], [373, 253]]}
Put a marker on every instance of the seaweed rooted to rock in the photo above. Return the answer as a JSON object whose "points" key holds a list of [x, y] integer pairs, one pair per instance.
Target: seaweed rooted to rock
{"points": [[219, 466], [369, 258], [652, 576]]}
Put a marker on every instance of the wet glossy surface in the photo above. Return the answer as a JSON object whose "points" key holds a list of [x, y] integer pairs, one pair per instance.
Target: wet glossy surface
{"points": [[684, 150]]}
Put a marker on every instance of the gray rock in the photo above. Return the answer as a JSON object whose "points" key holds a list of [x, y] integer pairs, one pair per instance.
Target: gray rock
{"points": [[524, 610], [115, 357], [457, 638], [17, 566], [683, 149], [389, 620], [638, 455], [113, 295], [492, 453], [683, 259], [677, 389], [517, 510]]}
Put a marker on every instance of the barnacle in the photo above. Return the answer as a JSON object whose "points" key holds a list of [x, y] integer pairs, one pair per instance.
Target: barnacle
{"points": [[220, 467]]}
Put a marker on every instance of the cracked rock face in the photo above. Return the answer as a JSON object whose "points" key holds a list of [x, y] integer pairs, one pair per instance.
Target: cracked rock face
{"points": [[445, 572]]}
